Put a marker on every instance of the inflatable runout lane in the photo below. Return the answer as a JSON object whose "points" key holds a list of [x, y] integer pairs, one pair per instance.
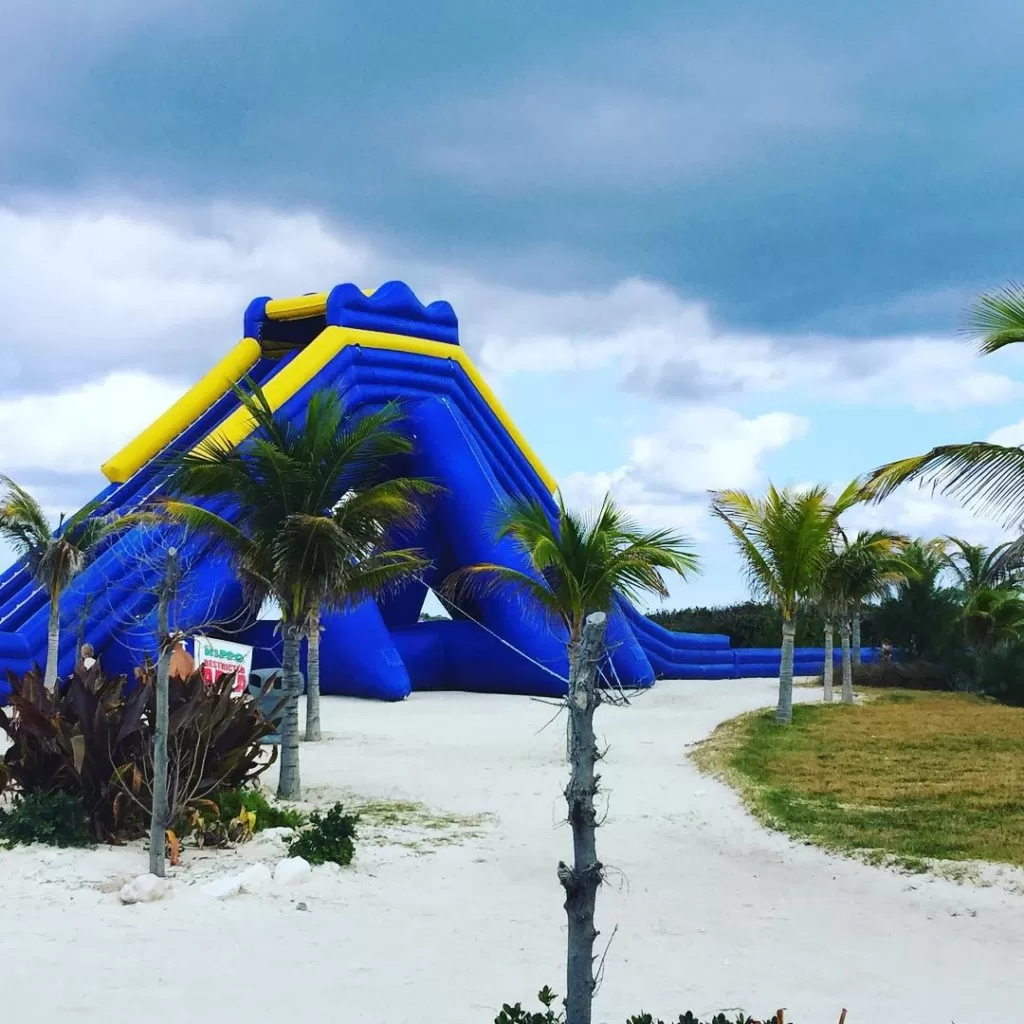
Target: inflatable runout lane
{"points": [[374, 347]]}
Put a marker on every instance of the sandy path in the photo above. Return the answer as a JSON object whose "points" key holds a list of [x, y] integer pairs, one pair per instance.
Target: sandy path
{"points": [[711, 910]]}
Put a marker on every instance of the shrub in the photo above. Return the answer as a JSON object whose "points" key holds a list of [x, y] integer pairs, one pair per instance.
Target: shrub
{"points": [[231, 803], [93, 739], [327, 837], [56, 819], [904, 675]]}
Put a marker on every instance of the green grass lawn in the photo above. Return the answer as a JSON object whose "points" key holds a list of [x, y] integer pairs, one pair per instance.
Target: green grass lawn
{"points": [[907, 775]]}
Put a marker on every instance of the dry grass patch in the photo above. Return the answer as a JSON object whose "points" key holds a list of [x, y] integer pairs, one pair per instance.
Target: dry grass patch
{"points": [[907, 775]]}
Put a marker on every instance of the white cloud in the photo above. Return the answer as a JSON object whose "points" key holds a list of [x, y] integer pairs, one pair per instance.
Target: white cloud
{"points": [[669, 347], [90, 290], [76, 430], [669, 471]]}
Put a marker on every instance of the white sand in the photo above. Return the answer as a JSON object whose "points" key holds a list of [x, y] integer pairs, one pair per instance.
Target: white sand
{"points": [[712, 911]]}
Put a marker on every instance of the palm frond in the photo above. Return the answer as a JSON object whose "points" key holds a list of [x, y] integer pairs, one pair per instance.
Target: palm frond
{"points": [[998, 318], [984, 476]]}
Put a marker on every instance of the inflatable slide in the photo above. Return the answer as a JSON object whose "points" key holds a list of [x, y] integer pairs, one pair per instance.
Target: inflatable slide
{"points": [[375, 347]]}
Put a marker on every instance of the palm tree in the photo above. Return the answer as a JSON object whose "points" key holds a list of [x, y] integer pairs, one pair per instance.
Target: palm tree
{"points": [[992, 615], [315, 508], [54, 557], [985, 476], [977, 567], [579, 566], [784, 540], [855, 571], [919, 611]]}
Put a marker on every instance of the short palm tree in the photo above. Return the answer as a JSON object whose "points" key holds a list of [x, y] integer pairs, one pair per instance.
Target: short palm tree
{"points": [[855, 571], [579, 566], [315, 508], [992, 615], [785, 540], [977, 567], [985, 476], [54, 556]]}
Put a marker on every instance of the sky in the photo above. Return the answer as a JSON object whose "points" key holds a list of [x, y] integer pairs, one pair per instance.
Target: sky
{"points": [[692, 246]]}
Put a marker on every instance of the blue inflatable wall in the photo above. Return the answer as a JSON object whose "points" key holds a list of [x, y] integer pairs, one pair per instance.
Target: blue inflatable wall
{"points": [[375, 348]]}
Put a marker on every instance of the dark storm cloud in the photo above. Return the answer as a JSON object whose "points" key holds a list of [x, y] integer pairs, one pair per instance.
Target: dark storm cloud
{"points": [[842, 169]]}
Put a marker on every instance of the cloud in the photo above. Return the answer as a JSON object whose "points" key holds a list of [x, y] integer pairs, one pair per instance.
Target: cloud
{"points": [[603, 121], [668, 347], [669, 471], [94, 289], [75, 430]]}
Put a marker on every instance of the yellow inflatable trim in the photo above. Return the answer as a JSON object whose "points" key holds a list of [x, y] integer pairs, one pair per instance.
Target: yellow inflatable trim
{"points": [[297, 308], [185, 411], [302, 306], [312, 359]]}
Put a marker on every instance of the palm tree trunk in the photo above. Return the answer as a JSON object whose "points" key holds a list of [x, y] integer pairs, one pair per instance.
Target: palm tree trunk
{"points": [[289, 786], [856, 636], [784, 712], [582, 880], [829, 666], [844, 632], [52, 643], [313, 679]]}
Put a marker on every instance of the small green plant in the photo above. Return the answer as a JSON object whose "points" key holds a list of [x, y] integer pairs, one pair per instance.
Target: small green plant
{"points": [[327, 837], [56, 819], [517, 1015], [232, 802]]}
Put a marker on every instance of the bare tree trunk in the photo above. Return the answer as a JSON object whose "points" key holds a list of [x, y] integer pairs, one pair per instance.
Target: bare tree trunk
{"points": [[844, 631], [784, 712], [158, 822], [289, 786], [856, 636], [52, 643], [313, 678], [581, 881], [829, 666]]}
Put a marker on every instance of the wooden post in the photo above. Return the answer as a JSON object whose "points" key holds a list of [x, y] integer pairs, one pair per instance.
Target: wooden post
{"points": [[159, 823]]}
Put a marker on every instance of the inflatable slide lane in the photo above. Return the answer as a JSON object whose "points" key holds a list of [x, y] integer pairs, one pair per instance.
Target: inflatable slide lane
{"points": [[374, 347]]}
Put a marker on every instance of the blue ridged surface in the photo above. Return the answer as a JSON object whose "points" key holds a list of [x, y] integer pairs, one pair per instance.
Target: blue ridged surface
{"points": [[497, 644]]}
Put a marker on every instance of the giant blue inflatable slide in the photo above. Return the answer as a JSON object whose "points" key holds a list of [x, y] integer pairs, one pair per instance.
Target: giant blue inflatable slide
{"points": [[375, 347]]}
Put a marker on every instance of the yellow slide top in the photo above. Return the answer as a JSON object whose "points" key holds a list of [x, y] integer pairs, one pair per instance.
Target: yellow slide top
{"points": [[312, 359], [185, 411]]}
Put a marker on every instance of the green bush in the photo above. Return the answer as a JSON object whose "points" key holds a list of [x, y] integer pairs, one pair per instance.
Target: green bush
{"points": [[327, 837], [56, 819], [903, 675], [231, 802]]}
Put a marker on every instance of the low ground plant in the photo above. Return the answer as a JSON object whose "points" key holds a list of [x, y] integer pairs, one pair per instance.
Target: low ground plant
{"points": [[515, 1014], [907, 775], [56, 819], [328, 837]]}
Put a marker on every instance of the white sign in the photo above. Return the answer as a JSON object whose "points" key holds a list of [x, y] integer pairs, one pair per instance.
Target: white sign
{"points": [[215, 657]]}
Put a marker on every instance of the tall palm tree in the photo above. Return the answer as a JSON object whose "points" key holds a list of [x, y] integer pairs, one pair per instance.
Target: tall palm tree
{"points": [[784, 540], [985, 476], [315, 506], [578, 566], [54, 556]]}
